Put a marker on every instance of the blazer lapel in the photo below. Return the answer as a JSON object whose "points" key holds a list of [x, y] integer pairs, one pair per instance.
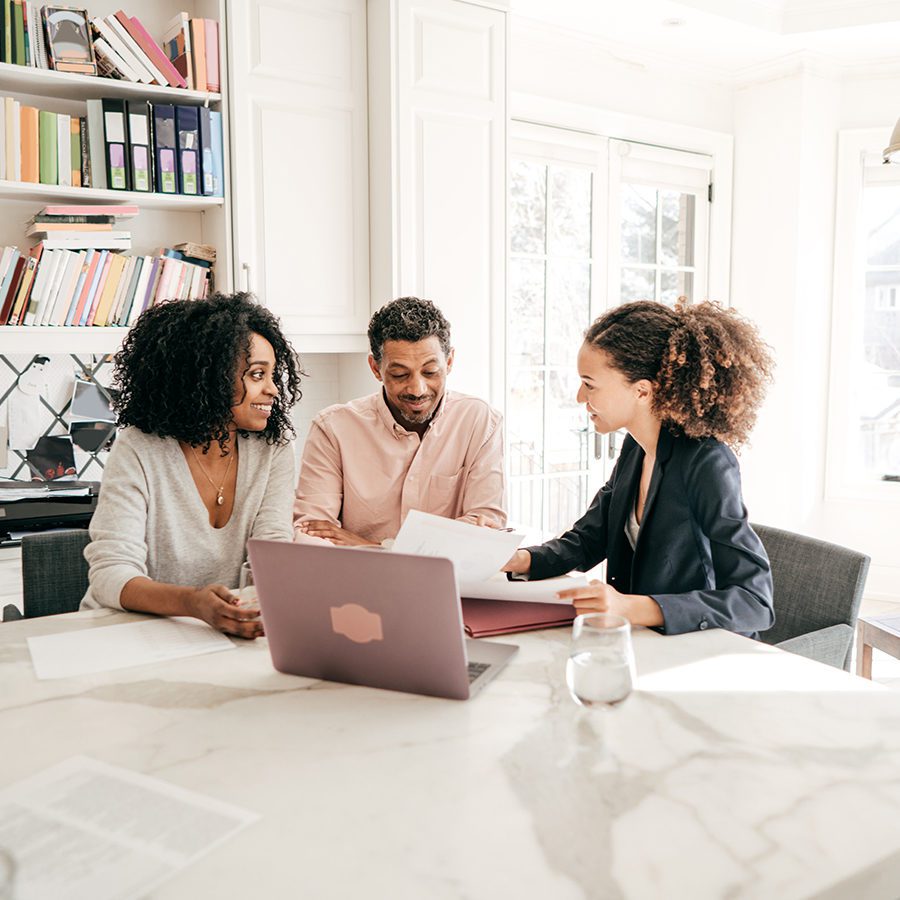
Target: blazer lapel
{"points": [[627, 480], [663, 452]]}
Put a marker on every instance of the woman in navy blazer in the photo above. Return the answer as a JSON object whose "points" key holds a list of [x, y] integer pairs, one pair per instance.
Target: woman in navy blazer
{"points": [[670, 522]]}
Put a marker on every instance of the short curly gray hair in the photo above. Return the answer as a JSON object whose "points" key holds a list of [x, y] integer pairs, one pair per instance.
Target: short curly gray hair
{"points": [[407, 319]]}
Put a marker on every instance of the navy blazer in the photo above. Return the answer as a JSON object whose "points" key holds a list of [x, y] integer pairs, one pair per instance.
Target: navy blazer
{"points": [[696, 554]]}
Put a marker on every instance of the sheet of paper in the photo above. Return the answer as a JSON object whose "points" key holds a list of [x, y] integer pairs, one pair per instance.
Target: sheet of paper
{"points": [[500, 588], [120, 646], [476, 553], [86, 830]]}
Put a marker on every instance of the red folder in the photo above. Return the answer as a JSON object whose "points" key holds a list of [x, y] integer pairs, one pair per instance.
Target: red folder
{"points": [[484, 618]]}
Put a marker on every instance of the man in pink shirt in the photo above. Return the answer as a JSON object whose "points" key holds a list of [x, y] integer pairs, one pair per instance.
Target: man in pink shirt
{"points": [[411, 445]]}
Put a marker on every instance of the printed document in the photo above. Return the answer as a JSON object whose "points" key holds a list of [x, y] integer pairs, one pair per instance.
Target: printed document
{"points": [[120, 646], [85, 830], [476, 553]]}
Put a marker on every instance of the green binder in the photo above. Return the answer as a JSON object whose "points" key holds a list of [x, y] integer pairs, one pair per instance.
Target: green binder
{"points": [[48, 148]]}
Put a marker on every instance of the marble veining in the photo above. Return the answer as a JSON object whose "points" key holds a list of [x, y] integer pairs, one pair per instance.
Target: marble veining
{"points": [[733, 771]]}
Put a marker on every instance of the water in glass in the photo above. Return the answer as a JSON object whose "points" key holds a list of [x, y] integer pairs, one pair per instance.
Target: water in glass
{"points": [[600, 669]]}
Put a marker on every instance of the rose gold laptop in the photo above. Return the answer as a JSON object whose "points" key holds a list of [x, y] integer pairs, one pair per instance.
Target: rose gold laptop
{"points": [[369, 617]]}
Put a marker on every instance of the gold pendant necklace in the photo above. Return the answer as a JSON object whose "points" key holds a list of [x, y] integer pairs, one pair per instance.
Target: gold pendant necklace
{"points": [[219, 498]]}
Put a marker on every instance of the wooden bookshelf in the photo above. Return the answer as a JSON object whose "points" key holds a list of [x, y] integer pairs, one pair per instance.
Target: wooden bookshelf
{"points": [[69, 86]]}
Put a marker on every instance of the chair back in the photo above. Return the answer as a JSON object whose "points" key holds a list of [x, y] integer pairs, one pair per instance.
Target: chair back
{"points": [[54, 571], [816, 584]]}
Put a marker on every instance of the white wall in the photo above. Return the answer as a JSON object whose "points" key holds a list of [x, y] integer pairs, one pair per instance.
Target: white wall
{"points": [[782, 251], [565, 66]]}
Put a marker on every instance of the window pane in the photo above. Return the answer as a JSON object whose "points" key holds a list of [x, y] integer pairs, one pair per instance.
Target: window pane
{"points": [[570, 212], [566, 501], [638, 223], [673, 285], [677, 243], [881, 210], [526, 504], [527, 206], [526, 312], [567, 435], [568, 310], [637, 284], [525, 422]]}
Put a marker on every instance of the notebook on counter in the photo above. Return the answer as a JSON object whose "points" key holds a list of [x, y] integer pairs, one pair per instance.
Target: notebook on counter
{"points": [[486, 618]]}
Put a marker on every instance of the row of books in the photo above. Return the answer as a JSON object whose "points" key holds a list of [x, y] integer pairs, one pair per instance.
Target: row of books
{"points": [[187, 57], [92, 287], [128, 145], [116, 45], [22, 36]]}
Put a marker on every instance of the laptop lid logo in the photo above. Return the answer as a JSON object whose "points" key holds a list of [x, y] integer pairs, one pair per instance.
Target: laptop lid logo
{"points": [[356, 623]]}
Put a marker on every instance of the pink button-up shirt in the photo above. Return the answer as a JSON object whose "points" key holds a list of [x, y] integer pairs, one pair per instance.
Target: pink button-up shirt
{"points": [[362, 470]]}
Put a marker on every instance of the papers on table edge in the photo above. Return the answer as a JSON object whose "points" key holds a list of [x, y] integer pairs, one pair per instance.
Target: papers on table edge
{"points": [[72, 653], [477, 554], [103, 851]]}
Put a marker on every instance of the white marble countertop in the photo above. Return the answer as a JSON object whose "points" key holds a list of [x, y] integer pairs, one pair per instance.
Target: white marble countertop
{"points": [[735, 770]]}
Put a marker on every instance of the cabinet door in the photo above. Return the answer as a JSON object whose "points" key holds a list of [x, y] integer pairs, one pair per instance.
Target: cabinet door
{"points": [[300, 177], [444, 156]]}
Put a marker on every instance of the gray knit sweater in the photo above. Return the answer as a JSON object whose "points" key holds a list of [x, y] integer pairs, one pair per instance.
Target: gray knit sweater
{"points": [[151, 521]]}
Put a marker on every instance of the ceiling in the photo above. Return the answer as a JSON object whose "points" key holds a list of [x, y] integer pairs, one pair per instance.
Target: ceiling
{"points": [[731, 35]]}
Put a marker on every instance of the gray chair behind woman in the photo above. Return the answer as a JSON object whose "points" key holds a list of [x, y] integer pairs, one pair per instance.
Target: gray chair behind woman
{"points": [[818, 589], [54, 571]]}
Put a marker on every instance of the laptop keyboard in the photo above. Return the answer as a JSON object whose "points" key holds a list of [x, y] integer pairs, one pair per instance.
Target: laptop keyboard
{"points": [[475, 669]]}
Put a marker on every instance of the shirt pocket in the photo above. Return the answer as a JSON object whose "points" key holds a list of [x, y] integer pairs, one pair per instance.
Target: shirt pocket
{"points": [[445, 494]]}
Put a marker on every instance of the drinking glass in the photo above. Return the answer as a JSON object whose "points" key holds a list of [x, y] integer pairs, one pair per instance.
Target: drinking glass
{"points": [[246, 585], [600, 670], [7, 874]]}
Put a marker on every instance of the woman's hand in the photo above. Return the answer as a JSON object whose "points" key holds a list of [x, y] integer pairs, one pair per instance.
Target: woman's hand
{"points": [[519, 563], [217, 606], [598, 597]]}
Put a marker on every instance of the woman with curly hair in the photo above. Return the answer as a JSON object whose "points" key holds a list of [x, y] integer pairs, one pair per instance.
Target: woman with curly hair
{"points": [[202, 463], [685, 383]]}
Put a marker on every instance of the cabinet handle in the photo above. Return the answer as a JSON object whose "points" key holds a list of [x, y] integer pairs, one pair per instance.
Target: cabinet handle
{"points": [[246, 268]]}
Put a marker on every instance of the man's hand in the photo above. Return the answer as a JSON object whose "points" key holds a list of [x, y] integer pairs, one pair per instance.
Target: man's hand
{"points": [[483, 520], [217, 606], [339, 536]]}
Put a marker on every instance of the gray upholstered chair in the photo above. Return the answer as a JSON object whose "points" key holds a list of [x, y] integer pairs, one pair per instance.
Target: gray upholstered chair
{"points": [[818, 589], [54, 571]]}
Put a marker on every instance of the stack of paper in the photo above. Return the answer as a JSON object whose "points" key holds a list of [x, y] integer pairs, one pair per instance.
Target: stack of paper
{"points": [[477, 554]]}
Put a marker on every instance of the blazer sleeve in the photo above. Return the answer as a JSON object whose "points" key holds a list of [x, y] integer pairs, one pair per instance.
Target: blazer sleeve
{"points": [[741, 599], [582, 547], [320, 488]]}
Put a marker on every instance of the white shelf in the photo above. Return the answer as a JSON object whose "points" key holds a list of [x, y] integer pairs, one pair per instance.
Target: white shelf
{"points": [[26, 190], [47, 339], [68, 86]]}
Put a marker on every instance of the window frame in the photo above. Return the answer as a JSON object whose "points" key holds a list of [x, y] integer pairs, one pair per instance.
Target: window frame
{"points": [[859, 164]]}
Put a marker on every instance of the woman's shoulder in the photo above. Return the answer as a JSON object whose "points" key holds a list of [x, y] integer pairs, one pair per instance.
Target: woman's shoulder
{"points": [[703, 454], [132, 438]]}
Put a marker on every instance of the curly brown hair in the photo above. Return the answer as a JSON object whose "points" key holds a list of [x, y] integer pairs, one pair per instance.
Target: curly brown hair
{"points": [[708, 365]]}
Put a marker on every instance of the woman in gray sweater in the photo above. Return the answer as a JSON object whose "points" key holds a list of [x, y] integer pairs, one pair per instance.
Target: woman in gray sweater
{"points": [[202, 461]]}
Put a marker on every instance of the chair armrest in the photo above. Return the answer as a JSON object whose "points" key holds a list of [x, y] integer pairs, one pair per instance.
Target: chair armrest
{"points": [[827, 645]]}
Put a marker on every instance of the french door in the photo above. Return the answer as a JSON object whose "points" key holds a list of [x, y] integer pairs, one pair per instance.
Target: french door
{"points": [[592, 222]]}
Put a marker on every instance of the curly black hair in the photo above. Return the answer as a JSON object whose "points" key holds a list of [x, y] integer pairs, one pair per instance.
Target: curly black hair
{"points": [[708, 365], [407, 319], [176, 370]]}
